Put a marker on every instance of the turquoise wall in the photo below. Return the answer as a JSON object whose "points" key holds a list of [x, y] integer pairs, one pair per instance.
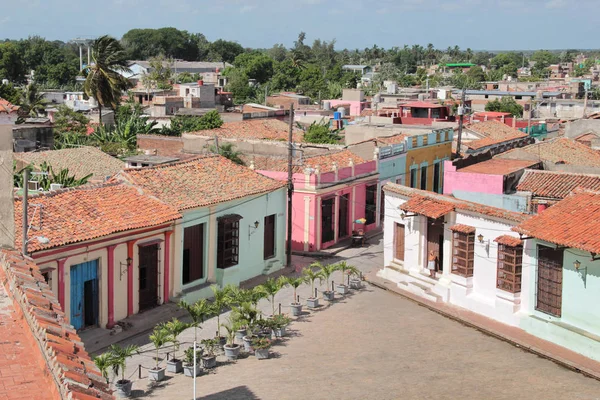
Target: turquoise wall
{"points": [[578, 328], [505, 201], [392, 167], [251, 241]]}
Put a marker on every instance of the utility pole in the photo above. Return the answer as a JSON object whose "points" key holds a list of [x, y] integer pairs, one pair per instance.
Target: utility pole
{"points": [[585, 104], [461, 115], [290, 185], [529, 117], [25, 201]]}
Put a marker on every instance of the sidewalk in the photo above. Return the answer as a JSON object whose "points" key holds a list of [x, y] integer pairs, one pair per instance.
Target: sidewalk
{"points": [[517, 337]]}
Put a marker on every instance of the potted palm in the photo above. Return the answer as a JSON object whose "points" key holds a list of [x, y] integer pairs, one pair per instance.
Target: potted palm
{"points": [[271, 287], [311, 276], [198, 312], [341, 287], [159, 338], [354, 274], [174, 329], [326, 271], [279, 324], [232, 349], [220, 301], [261, 348], [295, 305], [209, 358], [118, 362], [103, 362], [245, 314], [190, 368]]}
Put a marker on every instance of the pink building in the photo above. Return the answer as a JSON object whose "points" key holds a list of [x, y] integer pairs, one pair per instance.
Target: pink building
{"points": [[334, 195]]}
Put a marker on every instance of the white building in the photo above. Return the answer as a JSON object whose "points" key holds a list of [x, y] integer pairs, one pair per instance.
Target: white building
{"points": [[478, 258]]}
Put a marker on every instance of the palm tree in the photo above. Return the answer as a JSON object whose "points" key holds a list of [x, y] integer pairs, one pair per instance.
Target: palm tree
{"points": [[103, 362], [312, 276], [198, 312], [104, 81], [32, 102], [174, 328], [220, 301], [326, 271], [159, 338], [119, 358], [271, 287], [295, 283], [228, 151]]}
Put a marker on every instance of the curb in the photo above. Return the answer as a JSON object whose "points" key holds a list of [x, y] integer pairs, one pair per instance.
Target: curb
{"points": [[533, 350]]}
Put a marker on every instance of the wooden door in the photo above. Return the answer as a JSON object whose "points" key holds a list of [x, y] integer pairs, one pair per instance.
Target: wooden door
{"points": [[193, 253], [343, 216], [148, 276], [435, 240], [399, 242], [84, 294], [327, 231], [269, 237], [549, 284]]}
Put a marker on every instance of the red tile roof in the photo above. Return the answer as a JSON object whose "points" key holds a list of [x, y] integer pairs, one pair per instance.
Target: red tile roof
{"points": [[257, 129], [200, 182], [394, 139], [498, 166], [555, 184], [508, 240], [458, 204], [560, 150], [422, 104], [462, 228], [572, 222], [46, 359], [492, 114], [429, 207], [324, 162], [89, 212], [493, 132], [80, 161], [7, 107]]}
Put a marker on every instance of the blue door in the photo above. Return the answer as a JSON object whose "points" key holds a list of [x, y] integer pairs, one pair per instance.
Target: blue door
{"points": [[84, 294]]}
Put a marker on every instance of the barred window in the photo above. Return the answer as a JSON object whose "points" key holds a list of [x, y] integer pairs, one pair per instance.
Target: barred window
{"points": [[510, 264], [463, 252], [228, 241]]}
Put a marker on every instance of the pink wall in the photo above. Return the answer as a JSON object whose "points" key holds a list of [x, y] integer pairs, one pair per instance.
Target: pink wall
{"points": [[471, 182], [356, 107]]}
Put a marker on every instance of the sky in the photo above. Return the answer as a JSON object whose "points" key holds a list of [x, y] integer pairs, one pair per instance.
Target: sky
{"points": [[475, 24]]}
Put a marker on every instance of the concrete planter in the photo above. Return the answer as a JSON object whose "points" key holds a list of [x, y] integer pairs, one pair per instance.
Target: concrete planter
{"points": [[188, 370], [341, 289], [248, 344], [312, 302], [209, 362], [123, 388], [156, 375], [280, 332], [222, 341], [355, 284], [265, 334], [296, 309], [232, 352], [329, 295], [174, 366], [239, 335], [261, 354]]}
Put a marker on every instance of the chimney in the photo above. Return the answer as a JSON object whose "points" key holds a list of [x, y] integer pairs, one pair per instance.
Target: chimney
{"points": [[200, 82], [7, 211]]}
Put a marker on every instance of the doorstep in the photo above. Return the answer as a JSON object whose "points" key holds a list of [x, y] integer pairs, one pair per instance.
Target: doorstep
{"points": [[507, 333]]}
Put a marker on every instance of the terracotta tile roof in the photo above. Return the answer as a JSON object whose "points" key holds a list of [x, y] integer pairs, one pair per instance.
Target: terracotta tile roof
{"points": [[458, 204], [572, 222], [88, 212], [394, 139], [508, 240], [200, 182], [257, 129], [561, 150], [462, 228], [556, 184], [49, 356], [493, 132], [498, 166], [324, 162], [429, 207], [7, 107], [79, 161]]}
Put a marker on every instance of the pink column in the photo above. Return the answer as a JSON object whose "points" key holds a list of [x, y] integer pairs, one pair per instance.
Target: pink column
{"points": [[130, 278], [111, 286], [167, 264], [61, 282]]}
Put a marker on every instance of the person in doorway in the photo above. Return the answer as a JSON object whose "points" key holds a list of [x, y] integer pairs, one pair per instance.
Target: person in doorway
{"points": [[431, 260]]}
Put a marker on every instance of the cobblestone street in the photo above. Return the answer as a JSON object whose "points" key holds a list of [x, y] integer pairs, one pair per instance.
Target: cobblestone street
{"points": [[374, 344]]}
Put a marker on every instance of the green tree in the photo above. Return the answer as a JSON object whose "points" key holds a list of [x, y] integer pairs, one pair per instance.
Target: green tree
{"points": [[223, 50], [507, 104], [255, 65], [32, 102], [10, 93], [237, 83], [160, 74], [11, 63], [228, 151], [143, 44], [67, 120], [320, 133], [104, 81], [476, 73]]}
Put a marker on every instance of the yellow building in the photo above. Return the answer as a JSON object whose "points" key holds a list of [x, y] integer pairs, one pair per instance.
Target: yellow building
{"points": [[425, 156]]}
